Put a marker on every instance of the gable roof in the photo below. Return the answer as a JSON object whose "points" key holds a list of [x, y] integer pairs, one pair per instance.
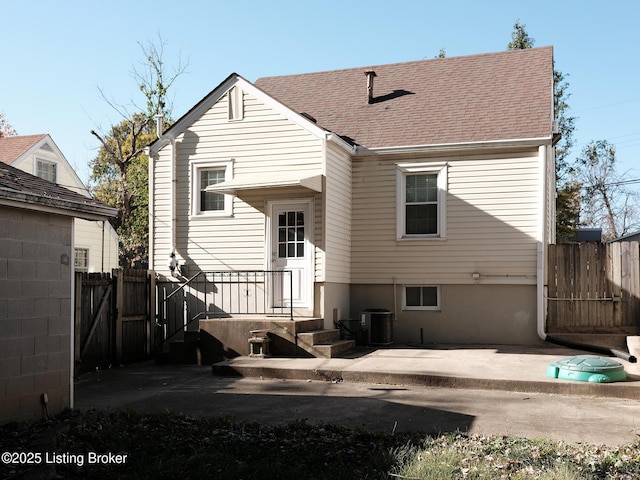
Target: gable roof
{"points": [[16, 149], [496, 96], [21, 189], [12, 148]]}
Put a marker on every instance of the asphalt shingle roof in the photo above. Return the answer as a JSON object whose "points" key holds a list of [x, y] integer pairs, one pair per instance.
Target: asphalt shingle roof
{"points": [[18, 185], [496, 96], [12, 148]]}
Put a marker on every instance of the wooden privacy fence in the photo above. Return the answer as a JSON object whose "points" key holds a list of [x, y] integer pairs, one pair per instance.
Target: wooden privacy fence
{"points": [[594, 288], [112, 318]]}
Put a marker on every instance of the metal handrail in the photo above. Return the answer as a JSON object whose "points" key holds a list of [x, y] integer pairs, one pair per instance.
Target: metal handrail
{"points": [[229, 293]]}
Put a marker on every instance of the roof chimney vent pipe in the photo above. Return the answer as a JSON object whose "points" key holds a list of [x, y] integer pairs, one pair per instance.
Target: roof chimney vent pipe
{"points": [[159, 123], [370, 76]]}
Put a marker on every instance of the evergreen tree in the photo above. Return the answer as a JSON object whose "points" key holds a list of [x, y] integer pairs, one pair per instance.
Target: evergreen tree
{"points": [[568, 197]]}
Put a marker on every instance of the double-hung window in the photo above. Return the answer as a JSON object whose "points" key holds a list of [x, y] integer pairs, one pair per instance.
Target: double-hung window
{"points": [[46, 170], [81, 259], [204, 175], [421, 196]]}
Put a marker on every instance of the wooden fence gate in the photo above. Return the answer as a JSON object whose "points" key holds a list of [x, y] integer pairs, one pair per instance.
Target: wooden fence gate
{"points": [[112, 318], [594, 288]]}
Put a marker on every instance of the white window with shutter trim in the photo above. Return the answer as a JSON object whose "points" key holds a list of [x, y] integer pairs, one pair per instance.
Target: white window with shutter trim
{"points": [[421, 190], [203, 175]]}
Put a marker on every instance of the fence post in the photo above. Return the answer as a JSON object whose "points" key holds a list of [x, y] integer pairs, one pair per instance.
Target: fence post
{"points": [[119, 280], [151, 310], [77, 332]]}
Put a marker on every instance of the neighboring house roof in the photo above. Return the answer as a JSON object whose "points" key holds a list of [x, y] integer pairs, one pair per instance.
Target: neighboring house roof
{"points": [[629, 237], [12, 148], [496, 96], [21, 189]]}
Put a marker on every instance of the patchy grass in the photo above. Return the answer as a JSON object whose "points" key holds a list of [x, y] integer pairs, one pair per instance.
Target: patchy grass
{"points": [[173, 446], [462, 456]]}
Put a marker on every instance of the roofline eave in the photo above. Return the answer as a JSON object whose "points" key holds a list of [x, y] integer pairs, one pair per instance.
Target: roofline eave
{"points": [[361, 150], [12, 198]]}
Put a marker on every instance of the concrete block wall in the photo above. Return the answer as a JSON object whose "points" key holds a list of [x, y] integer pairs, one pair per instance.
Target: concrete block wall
{"points": [[36, 262]]}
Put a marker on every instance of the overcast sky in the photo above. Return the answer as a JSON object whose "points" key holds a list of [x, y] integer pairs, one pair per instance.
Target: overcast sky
{"points": [[57, 55]]}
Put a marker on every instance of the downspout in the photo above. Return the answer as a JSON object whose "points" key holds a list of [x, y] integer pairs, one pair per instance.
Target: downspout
{"points": [[172, 262], [540, 251], [541, 274], [102, 260], [151, 183]]}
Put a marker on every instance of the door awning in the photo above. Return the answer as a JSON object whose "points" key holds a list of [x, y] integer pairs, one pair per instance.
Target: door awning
{"points": [[272, 180]]}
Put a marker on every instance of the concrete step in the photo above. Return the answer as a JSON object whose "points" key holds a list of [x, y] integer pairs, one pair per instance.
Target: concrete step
{"points": [[325, 343], [318, 337], [334, 349], [308, 325]]}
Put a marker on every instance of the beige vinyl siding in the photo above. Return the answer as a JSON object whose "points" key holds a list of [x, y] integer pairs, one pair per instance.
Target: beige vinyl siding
{"points": [[338, 216], [263, 143], [491, 223], [101, 242], [64, 174]]}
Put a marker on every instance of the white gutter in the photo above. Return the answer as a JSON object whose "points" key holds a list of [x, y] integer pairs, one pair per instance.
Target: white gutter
{"points": [[332, 137], [540, 253], [446, 147]]}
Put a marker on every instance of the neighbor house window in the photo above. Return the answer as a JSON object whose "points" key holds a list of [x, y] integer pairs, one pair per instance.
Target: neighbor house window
{"points": [[46, 170], [81, 259], [236, 104], [421, 297], [421, 194], [204, 175]]}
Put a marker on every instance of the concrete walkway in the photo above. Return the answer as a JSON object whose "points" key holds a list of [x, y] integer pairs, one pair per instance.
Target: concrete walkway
{"points": [[509, 368], [485, 390]]}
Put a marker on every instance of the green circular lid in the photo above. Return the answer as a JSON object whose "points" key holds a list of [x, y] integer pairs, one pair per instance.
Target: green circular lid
{"points": [[589, 363]]}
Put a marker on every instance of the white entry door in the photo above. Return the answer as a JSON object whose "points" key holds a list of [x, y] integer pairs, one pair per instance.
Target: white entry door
{"points": [[291, 249]]}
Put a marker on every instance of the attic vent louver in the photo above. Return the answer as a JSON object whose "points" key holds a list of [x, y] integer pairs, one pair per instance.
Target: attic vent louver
{"points": [[370, 76]]}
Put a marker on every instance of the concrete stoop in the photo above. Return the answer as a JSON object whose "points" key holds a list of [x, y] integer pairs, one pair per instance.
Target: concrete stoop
{"points": [[229, 337]]}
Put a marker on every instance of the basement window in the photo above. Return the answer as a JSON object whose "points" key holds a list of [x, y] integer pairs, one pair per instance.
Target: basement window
{"points": [[421, 297]]}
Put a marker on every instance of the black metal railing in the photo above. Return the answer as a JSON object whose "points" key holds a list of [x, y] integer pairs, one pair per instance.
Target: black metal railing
{"points": [[220, 295]]}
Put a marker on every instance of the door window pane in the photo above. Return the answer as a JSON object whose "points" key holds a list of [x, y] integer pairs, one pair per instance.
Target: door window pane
{"points": [[291, 235]]}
